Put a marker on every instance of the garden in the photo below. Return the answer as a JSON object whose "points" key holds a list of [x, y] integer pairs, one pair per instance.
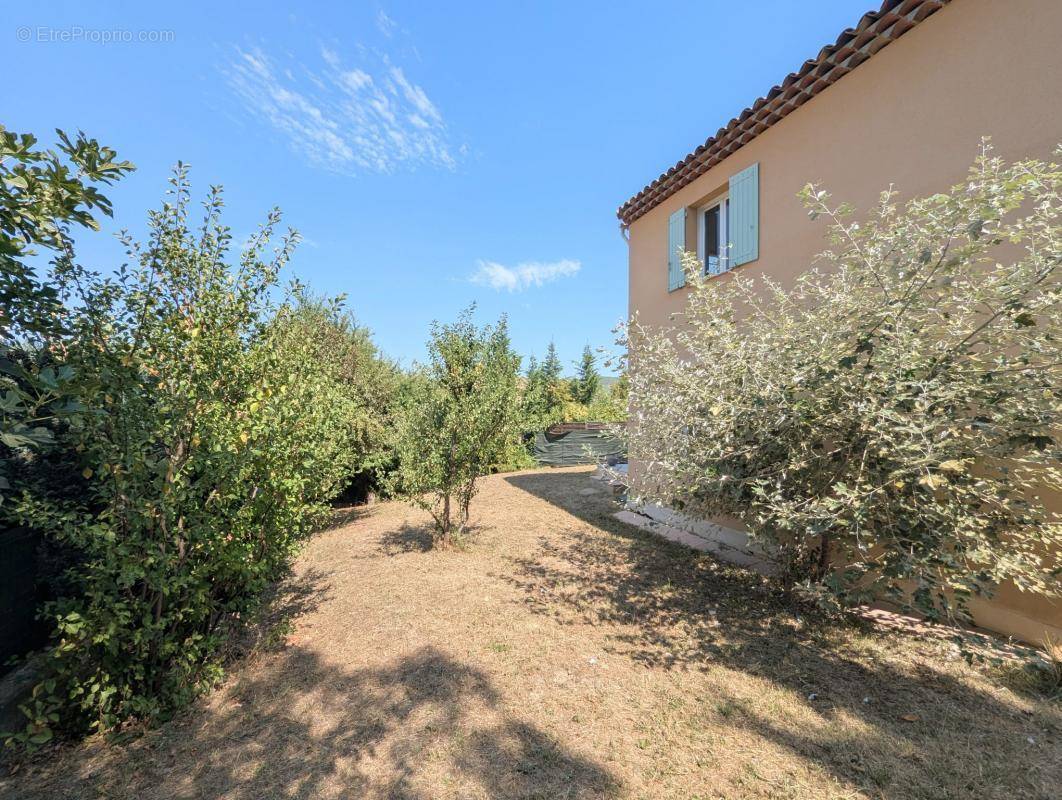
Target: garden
{"points": [[563, 653], [193, 437]]}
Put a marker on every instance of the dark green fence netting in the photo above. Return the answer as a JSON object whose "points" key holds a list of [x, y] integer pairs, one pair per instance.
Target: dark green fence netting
{"points": [[562, 447]]}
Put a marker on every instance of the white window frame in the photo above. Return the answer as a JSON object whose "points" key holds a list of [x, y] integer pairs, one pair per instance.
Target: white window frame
{"points": [[723, 203]]}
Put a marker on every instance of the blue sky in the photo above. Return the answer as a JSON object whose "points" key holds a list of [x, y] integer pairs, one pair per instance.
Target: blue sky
{"points": [[430, 154]]}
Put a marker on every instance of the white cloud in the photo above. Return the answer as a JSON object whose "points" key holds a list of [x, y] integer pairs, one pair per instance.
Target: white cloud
{"points": [[523, 276], [385, 23], [415, 95], [346, 119]]}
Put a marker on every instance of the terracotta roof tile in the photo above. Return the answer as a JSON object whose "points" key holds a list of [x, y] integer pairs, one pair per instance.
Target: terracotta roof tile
{"points": [[855, 45]]}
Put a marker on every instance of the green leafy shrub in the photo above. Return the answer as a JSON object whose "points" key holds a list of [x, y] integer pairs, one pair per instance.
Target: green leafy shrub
{"points": [[544, 392], [610, 406], [515, 455], [888, 424], [43, 194], [213, 435], [371, 387], [460, 415]]}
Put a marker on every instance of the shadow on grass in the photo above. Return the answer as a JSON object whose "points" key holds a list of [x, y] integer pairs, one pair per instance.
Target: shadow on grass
{"points": [[285, 602], [408, 538], [925, 730], [294, 725], [344, 516], [425, 727]]}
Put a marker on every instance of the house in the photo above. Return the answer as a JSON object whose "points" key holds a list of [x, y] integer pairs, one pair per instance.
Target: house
{"points": [[902, 98]]}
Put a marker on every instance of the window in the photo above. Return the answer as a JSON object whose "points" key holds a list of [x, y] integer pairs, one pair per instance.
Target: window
{"points": [[728, 229], [713, 223]]}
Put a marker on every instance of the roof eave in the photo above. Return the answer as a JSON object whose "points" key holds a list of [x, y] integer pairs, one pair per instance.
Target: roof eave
{"points": [[875, 30]]}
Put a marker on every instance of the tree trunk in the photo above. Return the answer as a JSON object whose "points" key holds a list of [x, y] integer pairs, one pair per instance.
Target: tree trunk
{"points": [[824, 557], [446, 524]]}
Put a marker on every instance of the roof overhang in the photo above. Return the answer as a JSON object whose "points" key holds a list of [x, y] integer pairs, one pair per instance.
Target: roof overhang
{"points": [[875, 30]]}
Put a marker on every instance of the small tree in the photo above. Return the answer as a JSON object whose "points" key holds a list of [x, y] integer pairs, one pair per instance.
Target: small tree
{"points": [[890, 424], [587, 381], [458, 419]]}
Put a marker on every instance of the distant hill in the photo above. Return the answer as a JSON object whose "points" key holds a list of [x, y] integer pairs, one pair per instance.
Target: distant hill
{"points": [[606, 380]]}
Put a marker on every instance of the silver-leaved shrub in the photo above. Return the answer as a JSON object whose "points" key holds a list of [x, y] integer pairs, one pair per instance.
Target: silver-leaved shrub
{"points": [[887, 424]]}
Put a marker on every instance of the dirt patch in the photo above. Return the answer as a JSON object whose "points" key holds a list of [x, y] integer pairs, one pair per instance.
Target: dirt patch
{"points": [[564, 654]]}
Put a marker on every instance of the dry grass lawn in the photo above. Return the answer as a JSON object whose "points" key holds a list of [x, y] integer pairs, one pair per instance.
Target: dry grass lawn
{"points": [[562, 654]]}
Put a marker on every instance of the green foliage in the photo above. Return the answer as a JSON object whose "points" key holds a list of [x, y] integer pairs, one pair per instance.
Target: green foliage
{"points": [[545, 392], [43, 193], [551, 366], [371, 383], [213, 433], [619, 392], [608, 406], [889, 424], [458, 420], [547, 398], [534, 399], [587, 382], [515, 455], [558, 390]]}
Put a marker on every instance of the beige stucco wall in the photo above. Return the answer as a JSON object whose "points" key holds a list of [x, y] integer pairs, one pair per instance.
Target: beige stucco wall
{"points": [[913, 115]]}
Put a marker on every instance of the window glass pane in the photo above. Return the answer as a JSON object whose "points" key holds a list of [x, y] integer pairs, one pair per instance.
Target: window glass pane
{"points": [[711, 240], [711, 231]]}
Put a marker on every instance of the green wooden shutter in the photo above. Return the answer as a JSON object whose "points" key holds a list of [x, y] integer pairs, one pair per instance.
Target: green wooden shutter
{"points": [[676, 242], [744, 233]]}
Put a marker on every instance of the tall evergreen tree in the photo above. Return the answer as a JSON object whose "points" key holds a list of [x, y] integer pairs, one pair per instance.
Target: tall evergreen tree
{"points": [[551, 366], [556, 388], [535, 400], [587, 381]]}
